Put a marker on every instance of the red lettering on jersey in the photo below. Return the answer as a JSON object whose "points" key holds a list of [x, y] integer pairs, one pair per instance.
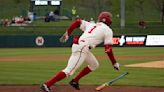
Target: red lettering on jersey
{"points": [[82, 40], [92, 29]]}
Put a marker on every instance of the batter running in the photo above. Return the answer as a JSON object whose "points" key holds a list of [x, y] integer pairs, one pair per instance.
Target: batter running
{"points": [[93, 35]]}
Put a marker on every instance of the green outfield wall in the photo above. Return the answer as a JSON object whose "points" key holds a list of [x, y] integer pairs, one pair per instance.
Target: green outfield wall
{"points": [[33, 41], [53, 41]]}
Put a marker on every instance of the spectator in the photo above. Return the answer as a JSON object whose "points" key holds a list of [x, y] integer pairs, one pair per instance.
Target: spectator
{"points": [[27, 20], [47, 19], [51, 16], [19, 20], [142, 24], [6, 22], [13, 20]]}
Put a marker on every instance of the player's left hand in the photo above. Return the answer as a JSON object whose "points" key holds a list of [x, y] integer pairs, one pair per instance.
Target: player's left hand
{"points": [[116, 66], [64, 38]]}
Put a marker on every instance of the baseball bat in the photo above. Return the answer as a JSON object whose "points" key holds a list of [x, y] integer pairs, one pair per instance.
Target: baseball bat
{"points": [[110, 82]]}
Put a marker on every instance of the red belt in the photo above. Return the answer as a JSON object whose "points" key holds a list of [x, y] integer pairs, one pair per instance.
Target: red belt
{"points": [[76, 40]]}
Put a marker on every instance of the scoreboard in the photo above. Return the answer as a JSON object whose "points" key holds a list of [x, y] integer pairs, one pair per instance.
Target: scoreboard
{"points": [[42, 7], [46, 2]]}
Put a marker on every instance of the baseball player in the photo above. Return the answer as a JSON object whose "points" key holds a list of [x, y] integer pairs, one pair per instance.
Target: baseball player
{"points": [[93, 34]]}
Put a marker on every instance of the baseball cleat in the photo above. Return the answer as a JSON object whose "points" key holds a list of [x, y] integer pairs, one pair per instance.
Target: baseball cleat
{"points": [[74, 85], [45, 88]]}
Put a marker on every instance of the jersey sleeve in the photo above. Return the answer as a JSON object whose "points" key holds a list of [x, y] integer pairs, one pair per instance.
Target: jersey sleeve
{"points": [[83, 25], [108, 37], [74, 25]]}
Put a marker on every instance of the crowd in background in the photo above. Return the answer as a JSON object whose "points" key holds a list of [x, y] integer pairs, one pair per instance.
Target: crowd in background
{"points": [[52, 16], [15, 21], [24, 21]]}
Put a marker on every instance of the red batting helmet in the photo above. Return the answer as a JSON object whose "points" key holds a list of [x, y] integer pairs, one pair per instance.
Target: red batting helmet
{"points": [[105, 17]]}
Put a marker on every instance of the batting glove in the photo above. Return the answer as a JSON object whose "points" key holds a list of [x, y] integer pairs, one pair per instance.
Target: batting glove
{"points": [[64, 38], [116, 66]]}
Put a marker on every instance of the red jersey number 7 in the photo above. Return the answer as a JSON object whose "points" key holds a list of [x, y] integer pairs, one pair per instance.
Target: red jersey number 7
{"points": [[92, 29]]}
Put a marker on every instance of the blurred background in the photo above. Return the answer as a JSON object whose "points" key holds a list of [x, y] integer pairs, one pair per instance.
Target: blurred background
{"points": [[52, 17]]}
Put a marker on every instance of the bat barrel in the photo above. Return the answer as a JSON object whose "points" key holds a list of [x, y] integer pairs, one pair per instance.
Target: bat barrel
{"points": [[110, 82]]}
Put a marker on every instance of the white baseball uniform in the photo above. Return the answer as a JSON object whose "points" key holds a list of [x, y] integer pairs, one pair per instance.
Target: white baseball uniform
{"points": [[93, 35]]}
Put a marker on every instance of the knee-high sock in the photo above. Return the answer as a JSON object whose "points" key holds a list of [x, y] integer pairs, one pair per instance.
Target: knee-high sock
{"points": [[83, 72], [59, 76]]}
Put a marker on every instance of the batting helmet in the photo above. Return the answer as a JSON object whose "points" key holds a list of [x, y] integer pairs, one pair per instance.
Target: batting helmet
{"points": [[105, 17]]}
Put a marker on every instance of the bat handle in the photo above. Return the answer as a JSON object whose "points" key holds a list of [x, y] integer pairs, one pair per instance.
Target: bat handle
{"points": [[101, 87]]}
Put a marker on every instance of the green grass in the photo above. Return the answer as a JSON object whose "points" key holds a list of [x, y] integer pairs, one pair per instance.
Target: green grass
{"points": [[39, 27], [36, 72]]}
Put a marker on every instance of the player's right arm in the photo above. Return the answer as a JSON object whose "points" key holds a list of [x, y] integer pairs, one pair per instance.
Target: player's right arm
{"points": [[74, 25], [109, 52], [108, 48]]}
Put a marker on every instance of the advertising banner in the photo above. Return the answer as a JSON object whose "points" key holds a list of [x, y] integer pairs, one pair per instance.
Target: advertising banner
{"points": [[131, 40], [155, 40]]}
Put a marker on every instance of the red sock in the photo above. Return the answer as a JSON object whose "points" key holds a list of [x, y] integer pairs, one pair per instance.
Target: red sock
{"points": [[83, 72], [59, 76]]}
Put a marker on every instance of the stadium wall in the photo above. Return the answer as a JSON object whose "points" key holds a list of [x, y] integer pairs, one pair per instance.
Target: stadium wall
{"points": [[21, 41], [32, 41]]}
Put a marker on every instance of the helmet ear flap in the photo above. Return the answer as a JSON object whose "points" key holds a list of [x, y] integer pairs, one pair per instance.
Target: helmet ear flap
{"points": [[103, 20]]}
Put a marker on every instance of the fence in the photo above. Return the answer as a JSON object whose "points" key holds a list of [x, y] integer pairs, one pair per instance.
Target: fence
{"points": [[53, 41]]}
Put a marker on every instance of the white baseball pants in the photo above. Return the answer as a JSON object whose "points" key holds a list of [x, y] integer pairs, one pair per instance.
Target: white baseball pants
{"points": [[80, 53]]}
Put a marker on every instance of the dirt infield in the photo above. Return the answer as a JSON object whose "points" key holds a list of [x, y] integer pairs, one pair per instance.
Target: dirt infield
{"points": [[35, 88], [65, 58], [157, 64], [154, 64]]}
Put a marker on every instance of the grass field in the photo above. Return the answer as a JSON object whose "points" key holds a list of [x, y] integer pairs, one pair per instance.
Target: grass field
{"points": [[39, 27], [37, 71]]}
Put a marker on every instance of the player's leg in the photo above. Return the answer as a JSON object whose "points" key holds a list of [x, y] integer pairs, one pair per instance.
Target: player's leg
{"points": [[92, 65], [73, 63], [71, 68], [79, 54], [59, 76]]}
